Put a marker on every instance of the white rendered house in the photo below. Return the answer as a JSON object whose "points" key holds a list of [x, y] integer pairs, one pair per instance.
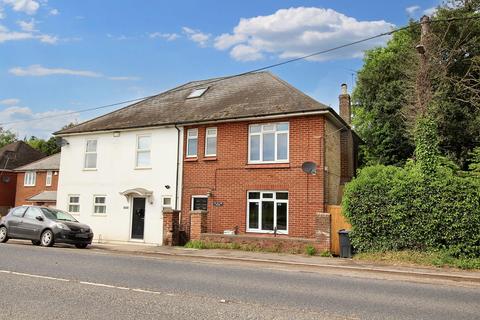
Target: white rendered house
{"points": [[118, 182]]}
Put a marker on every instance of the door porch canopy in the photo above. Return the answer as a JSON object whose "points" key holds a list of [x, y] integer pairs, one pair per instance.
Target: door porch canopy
{"points": [[138, 192]]}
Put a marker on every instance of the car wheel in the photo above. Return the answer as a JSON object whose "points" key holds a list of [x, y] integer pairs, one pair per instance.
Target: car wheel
{"points": [[3, 235], [36, 242], [47, 238], [81, 246]]}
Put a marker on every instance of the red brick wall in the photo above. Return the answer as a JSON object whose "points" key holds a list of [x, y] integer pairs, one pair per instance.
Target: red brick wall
{"points": [[7, 190], [228, 177], [23, 193]]}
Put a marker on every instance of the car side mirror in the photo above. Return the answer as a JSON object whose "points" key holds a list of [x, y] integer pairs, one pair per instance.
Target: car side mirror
{"points": [[39, 218]]}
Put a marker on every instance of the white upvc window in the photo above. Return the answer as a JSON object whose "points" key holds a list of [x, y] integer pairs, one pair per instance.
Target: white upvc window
{"points": [[211, 142], [143, 153], [99, 204], [48, 178], [192, 143], [91, 154], [268, 143], [73, 203], [199, 203], [30, 179], [167, 202], [267, 211]]}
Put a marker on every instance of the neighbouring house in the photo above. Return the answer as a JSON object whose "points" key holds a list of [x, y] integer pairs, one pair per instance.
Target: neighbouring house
{"points": [[37, 182], [248, 156], [13, 156]]}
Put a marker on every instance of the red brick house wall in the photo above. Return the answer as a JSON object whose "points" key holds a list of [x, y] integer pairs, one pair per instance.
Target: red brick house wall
{"points": [[7, 190], [23, 192], [228, 176]]}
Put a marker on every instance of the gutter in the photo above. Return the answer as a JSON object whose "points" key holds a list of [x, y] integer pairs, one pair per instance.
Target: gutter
{"points": [[178, 166]]}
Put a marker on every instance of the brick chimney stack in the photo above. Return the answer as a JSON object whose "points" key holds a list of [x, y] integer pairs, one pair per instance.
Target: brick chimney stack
{"points": [[345, 105]]}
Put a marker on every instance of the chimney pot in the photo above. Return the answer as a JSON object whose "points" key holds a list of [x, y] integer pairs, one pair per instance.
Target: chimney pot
{"points": [[344, 88], [345, 105]]}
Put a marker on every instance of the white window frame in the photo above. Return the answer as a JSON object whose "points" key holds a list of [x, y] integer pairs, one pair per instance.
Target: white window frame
{"points": [[197, 197], [90, 152], [70, 203], [206, 141], [171, 202], [188, 142], [261, 133], [275, 201], [30, 179], [49, 178], [137, 151], [95, 204]]}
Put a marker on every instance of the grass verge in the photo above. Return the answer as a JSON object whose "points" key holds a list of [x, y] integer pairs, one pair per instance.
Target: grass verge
{"points": [[417, 258]]}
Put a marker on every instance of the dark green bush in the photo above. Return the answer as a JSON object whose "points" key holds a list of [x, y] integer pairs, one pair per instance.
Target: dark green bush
{"points": [[393, 208]]}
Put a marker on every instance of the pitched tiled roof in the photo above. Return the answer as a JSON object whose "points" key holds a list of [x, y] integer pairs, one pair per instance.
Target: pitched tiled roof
{"points": [[254, 94], [17, 154], [48, 163]]}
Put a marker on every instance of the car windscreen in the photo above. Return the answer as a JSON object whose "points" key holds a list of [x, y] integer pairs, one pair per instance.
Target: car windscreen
{"points": [[54, 214]]}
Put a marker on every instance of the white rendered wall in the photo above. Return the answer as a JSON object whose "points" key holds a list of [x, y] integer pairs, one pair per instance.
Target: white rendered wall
{"points": [[115, 173]]}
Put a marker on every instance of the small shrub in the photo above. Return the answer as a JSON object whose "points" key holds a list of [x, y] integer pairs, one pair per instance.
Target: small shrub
{"points": [[310, 250], [326, 254]]}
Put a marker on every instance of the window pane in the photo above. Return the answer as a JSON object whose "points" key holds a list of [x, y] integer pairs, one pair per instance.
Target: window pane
{"points": [[192, 132], [211, 145], [73, 208], [267, 215], [268, 195], [282, 146], [92, 146], [253, 215], [255, 128], [99, 199], [281, 216], [212, 132], [32, 213], [200, 204], [74, 199], [282, 126], [268, 146], [167, 201], [91, 160], [100, 209], [254, 195], [282, 195], [268, 127], [143, 143], [255, 148], [192, 147], [143, 159]]}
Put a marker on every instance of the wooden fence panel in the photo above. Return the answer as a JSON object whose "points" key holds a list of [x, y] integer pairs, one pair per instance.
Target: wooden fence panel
{"points": [[339, 222]]}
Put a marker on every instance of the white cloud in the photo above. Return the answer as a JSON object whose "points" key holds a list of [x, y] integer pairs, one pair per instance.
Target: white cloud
{"points": [[294, 32], [27, 6], [54, 12], [28, 26], [197, 36], [430, 11], [8, 35], [166, 36], [37, 70], [40, 124], [9, 102], [411, 10]]}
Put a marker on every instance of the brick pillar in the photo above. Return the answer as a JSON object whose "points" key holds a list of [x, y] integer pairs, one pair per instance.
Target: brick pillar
{"points": [[323, 229], [170, 227], [198, 223]]}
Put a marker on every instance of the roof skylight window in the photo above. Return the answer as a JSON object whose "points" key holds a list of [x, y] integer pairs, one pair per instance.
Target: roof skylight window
{"points": [[197, 93]]}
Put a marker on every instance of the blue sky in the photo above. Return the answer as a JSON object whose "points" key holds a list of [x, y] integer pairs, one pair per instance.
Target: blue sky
{"points": [[60, 56]]}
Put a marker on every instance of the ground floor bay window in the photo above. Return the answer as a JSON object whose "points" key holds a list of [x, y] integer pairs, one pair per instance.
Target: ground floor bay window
{"points": [[267, 211]]}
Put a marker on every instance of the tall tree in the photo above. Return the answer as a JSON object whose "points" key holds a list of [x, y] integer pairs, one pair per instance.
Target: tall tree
{"points": [[6, 137]]}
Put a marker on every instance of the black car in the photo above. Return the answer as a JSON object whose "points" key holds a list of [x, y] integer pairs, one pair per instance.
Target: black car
{"points": [[44, 226]]}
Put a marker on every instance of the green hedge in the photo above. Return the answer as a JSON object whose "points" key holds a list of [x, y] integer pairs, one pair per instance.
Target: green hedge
{"points": [[393, 208]]}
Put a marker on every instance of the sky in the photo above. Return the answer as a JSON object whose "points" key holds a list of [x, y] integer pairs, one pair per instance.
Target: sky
{"points": [[58, 57]]}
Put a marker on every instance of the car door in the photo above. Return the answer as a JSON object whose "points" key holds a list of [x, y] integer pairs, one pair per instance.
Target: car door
{"points": [[31, 227], [14, 221]]}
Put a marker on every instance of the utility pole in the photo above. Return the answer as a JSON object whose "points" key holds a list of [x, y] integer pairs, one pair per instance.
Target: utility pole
{"points": [[423, 84]]}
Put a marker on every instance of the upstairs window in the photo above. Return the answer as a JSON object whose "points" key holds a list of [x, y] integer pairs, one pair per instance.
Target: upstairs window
{"points": [[268, 143], [91, 154], [192, 143], [143, 152], [211, 142], [48, 179], [30, 179]]}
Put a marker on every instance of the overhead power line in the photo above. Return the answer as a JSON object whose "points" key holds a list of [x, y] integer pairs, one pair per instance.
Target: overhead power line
{"points": [[185, 87]]}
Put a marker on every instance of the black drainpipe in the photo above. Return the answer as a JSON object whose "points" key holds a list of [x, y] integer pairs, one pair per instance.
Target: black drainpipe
{"points": [[178, 165]]}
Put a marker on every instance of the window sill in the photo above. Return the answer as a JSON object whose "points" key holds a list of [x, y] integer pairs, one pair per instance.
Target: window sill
{"points": [[88, 169], [266, 232], [99, 215], [267, 165], [191, 159], [210, 158], [143, 168], [29, 186]]}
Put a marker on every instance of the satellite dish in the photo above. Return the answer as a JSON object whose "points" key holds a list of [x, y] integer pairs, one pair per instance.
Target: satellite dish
{"points": [[61, 142], [309, 167]]}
